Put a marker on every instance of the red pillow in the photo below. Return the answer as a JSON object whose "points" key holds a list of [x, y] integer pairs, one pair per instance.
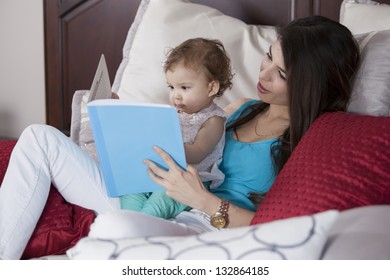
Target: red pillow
{"points": [[61, 225], [342, 162], [6, 147]]}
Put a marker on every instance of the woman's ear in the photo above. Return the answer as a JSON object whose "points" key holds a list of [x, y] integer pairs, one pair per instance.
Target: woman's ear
{"points": [[213, 88]]}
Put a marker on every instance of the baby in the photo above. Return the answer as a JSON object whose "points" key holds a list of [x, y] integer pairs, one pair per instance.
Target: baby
{"points": [[197, 71]]}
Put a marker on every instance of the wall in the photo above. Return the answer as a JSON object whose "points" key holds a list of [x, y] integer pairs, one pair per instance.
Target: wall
{"points": [[22, 77]]}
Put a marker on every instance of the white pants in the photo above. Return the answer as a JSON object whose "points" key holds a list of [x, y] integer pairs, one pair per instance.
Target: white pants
{"points": [[44, 155]]}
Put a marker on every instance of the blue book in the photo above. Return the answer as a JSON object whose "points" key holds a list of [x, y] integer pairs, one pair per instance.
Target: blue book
{"points": [[125, 133]]}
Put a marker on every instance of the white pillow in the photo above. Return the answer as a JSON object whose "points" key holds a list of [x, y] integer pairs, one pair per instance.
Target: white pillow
{"points": [[294, 238], [365, 16], [371, 88], [163, 24]]}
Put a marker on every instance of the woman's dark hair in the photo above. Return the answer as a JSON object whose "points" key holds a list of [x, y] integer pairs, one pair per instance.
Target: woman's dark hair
{"points": [[321, 57], [203, 54]]}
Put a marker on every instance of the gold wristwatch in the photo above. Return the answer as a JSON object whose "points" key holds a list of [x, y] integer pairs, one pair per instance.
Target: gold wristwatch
{"points": [[220, 219]]}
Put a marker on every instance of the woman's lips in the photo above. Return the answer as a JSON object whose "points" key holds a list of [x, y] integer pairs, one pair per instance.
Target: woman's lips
{"points": [[261, 89]]}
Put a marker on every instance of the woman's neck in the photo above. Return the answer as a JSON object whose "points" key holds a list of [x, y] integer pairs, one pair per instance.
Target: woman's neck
{"points": [[268, 124], [276, 112]]}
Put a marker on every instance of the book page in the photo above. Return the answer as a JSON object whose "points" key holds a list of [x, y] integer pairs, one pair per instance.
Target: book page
{"points": [[101, 86]]}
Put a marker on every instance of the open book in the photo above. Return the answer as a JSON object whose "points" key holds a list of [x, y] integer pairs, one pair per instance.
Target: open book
{"points": [[124, 134]]}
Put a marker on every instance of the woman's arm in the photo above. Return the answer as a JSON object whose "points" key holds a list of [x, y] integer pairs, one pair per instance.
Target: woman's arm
{"points": [[207, 138], [186, 187]]}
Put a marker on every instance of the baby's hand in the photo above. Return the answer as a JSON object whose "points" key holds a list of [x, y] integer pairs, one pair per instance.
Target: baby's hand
{"points": [[114, 96]]}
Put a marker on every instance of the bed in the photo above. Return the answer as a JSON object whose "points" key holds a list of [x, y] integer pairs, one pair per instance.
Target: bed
{"points": [[310, 199]]}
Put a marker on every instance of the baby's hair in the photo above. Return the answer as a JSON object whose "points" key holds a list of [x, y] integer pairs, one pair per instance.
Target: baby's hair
{"points": [[206, 55]]}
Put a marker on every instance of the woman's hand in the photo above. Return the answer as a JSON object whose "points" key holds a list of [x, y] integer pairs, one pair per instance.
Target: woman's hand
{"points": [[183, 186], [187, 188]]}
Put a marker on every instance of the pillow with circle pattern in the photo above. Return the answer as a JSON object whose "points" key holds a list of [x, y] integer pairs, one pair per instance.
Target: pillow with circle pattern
{"points": [[305, 240]]}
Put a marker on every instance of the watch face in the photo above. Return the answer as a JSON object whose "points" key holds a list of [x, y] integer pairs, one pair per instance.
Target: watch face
{"points": [[218, 221]]}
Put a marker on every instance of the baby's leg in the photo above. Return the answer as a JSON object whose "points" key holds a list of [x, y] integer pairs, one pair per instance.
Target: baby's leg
{"points": [[134, 202], [161, 205]]}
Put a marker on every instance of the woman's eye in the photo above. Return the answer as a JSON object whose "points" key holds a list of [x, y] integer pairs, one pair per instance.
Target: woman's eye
{"points": [[282, 75], [269, 56]]}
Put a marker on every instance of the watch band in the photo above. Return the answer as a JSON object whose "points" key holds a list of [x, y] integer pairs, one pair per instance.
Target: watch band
{"points": [[220, 219]]}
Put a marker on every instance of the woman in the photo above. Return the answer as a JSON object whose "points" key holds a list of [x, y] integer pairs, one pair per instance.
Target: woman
{"points": [[307, 72]]}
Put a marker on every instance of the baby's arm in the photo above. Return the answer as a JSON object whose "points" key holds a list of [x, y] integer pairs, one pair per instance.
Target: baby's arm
{"points": [[206, 140], [229, 109]]}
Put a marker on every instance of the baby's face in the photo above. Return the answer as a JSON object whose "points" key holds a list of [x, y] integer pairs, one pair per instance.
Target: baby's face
{"points": [[189, 90]]}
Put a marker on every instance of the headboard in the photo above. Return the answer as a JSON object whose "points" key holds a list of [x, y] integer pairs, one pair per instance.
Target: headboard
{"points": [[77, 32], [276, 12]]}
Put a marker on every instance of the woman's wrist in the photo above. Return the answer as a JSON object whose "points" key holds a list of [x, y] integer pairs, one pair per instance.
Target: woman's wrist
{"points": [[209, 203]]}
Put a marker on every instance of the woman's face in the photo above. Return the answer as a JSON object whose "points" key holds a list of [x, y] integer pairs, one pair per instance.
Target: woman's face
{"points": [[272, 85]]}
